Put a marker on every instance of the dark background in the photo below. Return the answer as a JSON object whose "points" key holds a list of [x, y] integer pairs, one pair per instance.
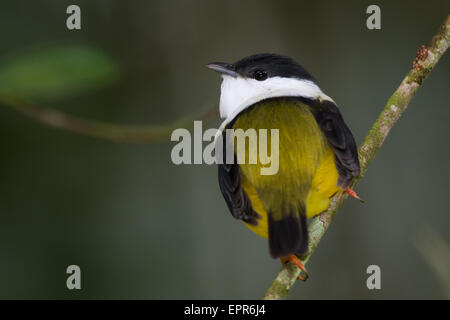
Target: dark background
{"points": [[141, 227]]}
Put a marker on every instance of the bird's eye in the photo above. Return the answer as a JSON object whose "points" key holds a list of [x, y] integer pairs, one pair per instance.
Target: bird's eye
{"points": [[260, 75]]}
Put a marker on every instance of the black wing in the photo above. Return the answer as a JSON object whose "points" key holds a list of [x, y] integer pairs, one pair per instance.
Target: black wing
{"points": [[232, 191], [340, 139]]}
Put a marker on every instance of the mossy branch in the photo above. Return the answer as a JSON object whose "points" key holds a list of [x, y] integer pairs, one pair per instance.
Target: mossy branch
{"points": [[104, 130], [425, 61]]}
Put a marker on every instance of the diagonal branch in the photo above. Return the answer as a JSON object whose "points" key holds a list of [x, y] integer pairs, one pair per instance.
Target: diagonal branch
{"points": [[426, 59], [103, 130]]}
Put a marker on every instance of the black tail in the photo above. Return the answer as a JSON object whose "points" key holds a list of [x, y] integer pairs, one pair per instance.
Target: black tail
{"points": [[288, 235]]}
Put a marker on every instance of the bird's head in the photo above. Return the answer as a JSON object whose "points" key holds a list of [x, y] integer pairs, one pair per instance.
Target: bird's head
{"points": [[259, 77]]}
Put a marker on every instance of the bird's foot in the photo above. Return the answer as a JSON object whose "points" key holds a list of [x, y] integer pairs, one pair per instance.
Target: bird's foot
{"points": [[293, 259], [353, 194]]}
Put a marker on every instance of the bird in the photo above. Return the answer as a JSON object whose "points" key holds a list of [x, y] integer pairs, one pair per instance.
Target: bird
{"points": [[317, 152]]}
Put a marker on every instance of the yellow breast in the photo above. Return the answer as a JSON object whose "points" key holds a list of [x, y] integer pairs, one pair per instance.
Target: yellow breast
{"points": [[323, 187], [304, 154]]}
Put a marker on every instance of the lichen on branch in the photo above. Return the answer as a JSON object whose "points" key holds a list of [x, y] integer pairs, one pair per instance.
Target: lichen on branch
{"points": [[425, 60]]}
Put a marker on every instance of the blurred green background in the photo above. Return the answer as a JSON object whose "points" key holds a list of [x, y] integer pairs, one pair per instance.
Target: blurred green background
{"points": [[141, 227]]}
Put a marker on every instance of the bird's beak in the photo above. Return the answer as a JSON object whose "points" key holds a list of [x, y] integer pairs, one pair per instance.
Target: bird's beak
{"points": [[223, 68]]}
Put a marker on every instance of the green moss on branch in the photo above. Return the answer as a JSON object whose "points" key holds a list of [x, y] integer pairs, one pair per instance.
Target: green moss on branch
{"points": [[426, 59]]}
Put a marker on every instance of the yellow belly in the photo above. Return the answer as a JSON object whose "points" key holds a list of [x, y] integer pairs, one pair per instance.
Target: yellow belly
{"points": [[307, 169], [324, 186]]}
